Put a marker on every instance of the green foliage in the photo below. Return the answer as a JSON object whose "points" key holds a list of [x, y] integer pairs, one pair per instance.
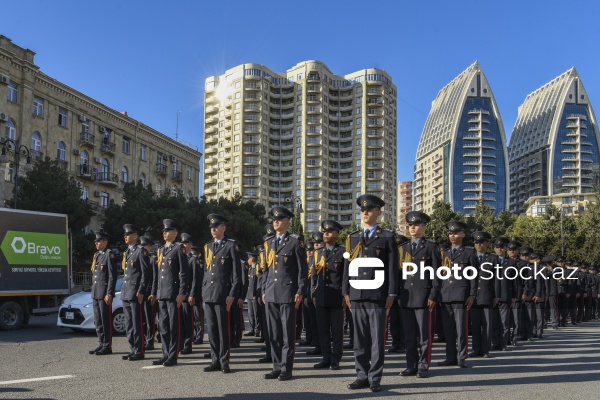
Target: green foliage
{"points": [[49, 188], [436, 229]]}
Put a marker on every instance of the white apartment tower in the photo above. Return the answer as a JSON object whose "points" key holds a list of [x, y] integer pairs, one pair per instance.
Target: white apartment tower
{"points": [[306, 138]]}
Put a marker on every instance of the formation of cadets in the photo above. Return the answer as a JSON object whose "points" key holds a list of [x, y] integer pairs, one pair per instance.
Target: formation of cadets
{"points": [[288, 284]]}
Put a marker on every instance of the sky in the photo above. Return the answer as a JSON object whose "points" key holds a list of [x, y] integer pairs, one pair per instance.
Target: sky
{"points": [[150, 58]]}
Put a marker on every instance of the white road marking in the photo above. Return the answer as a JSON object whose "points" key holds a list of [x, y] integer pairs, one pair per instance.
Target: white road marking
{"points": [[47, 378]]}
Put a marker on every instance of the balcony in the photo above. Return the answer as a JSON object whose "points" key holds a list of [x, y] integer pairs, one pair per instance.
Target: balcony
{"points": [[177, 176], [108, 147], [84, 170], [108, 179], [87, 139], [161, 169], [36, 155]]}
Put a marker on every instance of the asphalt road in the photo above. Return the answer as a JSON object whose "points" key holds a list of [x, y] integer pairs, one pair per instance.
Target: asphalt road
{"points": [[563, 365]]}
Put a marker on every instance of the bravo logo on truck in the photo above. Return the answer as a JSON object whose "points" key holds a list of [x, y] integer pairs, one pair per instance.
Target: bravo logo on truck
{"points": [[34, 248]]}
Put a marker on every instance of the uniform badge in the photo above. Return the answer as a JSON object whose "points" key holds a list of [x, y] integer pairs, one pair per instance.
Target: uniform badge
{"points": [[276, 213], [169, 261], [222, 261], [112, 255], [377, 252], [365, 203], [237, 248], [413, 219], [102, 268], [285, 258], [336, 264], [212, 220]]}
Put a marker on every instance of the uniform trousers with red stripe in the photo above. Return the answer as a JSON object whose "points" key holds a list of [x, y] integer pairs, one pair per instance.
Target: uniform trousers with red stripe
{"points": [[331, 320], [132, 311], [218, 329], [149, 326], [281, 321], [186, 328], [454, 319], [169, 317], [369, 341], [417, 335], [102, 320]]}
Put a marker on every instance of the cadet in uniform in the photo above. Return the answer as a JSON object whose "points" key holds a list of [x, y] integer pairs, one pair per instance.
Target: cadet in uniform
{"points": [[186, 328], [529, 292], [457, 296], [504, 291], [170, 287], [308, 308], [327, 274], [419, 297], [553, 288], [251, 295], [539, 299], [196, 262], [149, 299], [265, 334], [370, 307], [137, 275], [513, 252], [396, 328], [104, 269], [486, 299], [283, 288], [221, 286], [236, 315]]}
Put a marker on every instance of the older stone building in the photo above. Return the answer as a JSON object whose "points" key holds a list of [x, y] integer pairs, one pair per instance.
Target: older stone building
{"points": [[101, 147]]}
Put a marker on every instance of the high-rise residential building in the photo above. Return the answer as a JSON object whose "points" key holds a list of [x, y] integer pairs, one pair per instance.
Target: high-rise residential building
{"points": [[101, 148], [305, 138], [405, 203], [554, 144], [462, 154]]}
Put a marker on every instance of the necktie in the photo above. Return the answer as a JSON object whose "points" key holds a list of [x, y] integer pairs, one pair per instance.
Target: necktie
{"points": [[454, 251], [367, 233], [414, 247], [481, 258]]}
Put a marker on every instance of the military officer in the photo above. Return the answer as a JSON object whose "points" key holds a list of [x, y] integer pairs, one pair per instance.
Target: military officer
{"points": [[171, 286], [486, 298], [265, 335], [196, 293], [137, 275], [220, 289], [539, 300], [283, 288], [251, 295], [327, 272], [149, 299], [186, 326], [396, 328], [419, 297], [504, 291], [457, 296], [553, 288], [236, 316], [370, 307], [104, 269], [517, 309], [308, 309], [529, 292]]}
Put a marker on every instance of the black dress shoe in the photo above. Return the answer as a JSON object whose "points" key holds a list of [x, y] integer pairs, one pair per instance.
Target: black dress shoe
{"points": [[334, 366], [197, 342], [248, 333], [313, 352], [136, 357], [462, 364], [126, 357], [422, 373], [234, 345], [213, 367], [446, 363], [505, 348], [409, 372], [259, 341], [159, 361], [349, 346], [95, 350], [206, 355], [169, 362], [272, 375], [473, 354], [285, 376], [104, 351], [487, 355], [265, 360], [186, 351], [323, 364], [149, 347], [226, 369], [397, 349], [375, 387], [304, 342], [358, 384]]}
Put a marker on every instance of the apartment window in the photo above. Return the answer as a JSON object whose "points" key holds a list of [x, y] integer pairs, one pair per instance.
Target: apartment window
{"points": [[158, 185], [143, 179], [8, 172], [236, 148], [236, 116], [84, 160], [358, 121], [142, 152], [236, 170], [238, 84], [298, 171], [38, 107], [61, 153], [126, 145], [236, 159], [358, 174], [62, 117], [358, 163], [298, 161], [359, 100], [358, 184], [238, 95], [236, 138], [358, 142], [190, 173], [124, 174], [85, 193], [36, 142], [12, 92], [104, 200], [85, 129]]}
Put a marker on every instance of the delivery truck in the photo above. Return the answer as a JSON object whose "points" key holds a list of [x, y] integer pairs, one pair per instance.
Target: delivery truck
{"points": [[35, 265]]}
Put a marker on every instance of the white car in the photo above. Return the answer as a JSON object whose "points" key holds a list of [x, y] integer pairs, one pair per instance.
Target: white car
{"points": [[77, 312]]}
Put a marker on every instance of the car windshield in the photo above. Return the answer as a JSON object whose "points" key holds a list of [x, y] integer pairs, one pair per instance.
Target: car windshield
{"points": [[119, 285]]}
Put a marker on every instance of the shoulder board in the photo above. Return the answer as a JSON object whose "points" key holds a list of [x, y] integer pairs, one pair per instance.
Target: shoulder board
{"points": [[209, 242], [356, 231], [431, 241], [295, 236], [237, 247], [387, 230]]}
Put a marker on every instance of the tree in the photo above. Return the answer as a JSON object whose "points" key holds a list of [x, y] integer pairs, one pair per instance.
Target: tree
{"points": [[436, 229], [49, 188]]}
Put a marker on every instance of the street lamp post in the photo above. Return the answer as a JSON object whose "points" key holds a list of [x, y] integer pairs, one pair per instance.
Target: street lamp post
{"points": [[296, 202], [19, 151]]}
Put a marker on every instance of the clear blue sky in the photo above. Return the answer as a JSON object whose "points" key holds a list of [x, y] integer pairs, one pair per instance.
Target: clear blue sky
{"points": [[151, 57]]}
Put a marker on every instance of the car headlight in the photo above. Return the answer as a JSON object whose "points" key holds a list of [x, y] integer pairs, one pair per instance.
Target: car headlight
{"points": [[89, 305]]}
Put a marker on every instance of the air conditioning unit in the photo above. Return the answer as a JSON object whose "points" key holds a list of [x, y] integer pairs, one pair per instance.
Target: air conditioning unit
{"points": [[97, 160], [82, 118], [96, 193], [3, 117], [80, 185], [174, 159], [76, 152], [4, 79], [102, 129]]}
